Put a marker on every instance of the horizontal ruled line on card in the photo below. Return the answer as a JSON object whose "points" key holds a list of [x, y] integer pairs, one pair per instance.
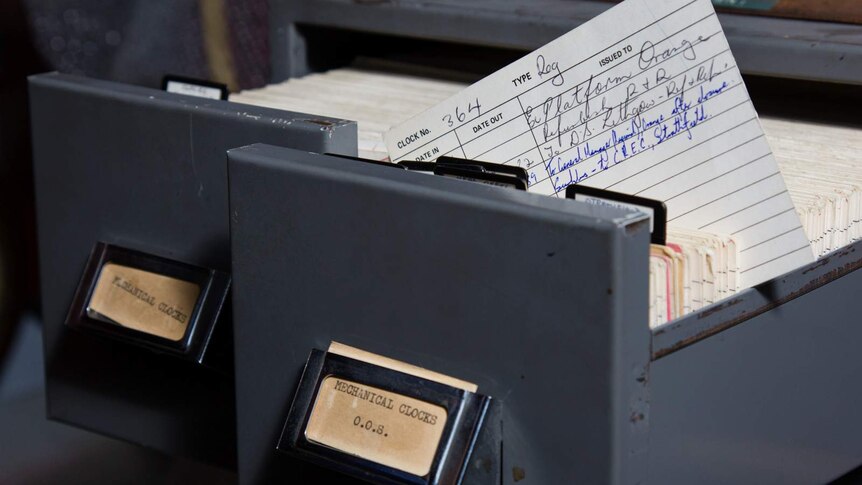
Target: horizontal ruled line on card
{"points": [[645, 99]]}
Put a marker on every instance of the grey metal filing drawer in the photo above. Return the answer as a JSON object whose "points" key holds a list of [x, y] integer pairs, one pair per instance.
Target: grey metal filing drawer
{"points": [[147, 170], [756, 389], [477, 283], [433, 271]]}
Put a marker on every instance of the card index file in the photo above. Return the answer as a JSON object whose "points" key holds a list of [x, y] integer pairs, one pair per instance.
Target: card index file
{"points": [[645, 99]]}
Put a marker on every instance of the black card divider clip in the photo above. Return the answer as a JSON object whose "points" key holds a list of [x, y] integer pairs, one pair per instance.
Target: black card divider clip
{"points": [[203, 340], [367, 160], [656, 209], [416, 166], [486, 167], [194, 87], [469, 449], [482, 172], [473, 170]]}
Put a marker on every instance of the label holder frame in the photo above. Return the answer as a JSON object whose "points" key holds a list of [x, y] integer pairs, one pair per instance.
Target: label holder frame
{"points": [[224, 92], [659, 232], [467, 415], [211, 302]]}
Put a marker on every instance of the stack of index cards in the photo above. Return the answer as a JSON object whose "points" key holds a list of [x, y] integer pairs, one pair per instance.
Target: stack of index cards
{"points": [[822, 166], [693, 270]]}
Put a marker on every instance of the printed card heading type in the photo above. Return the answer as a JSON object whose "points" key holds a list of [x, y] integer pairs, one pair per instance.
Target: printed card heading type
{"points": [[645, 99]]}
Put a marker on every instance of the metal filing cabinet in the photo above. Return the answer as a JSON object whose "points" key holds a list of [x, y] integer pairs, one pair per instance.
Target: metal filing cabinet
{"points": [[755, 389], [758, 388], [431, 271]]}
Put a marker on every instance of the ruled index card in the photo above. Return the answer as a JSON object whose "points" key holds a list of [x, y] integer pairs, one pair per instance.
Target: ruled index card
{"points": [[644, 99]]}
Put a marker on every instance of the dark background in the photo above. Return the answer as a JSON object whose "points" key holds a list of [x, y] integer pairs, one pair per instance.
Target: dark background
{"points": [[138, 42], [135, 42]]}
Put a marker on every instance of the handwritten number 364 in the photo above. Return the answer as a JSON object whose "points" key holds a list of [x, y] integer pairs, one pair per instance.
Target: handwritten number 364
{"points": [[461, 116]]}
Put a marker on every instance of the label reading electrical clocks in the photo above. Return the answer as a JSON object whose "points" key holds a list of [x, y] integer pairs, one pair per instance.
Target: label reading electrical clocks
{"points": [[144, 301]]}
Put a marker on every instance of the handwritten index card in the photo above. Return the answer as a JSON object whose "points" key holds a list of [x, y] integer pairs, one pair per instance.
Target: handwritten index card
{"points": [[645, 99]]}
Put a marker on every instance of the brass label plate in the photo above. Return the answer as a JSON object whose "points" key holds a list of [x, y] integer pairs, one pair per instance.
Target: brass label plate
{"points": [[141, 300], [381, 426]]}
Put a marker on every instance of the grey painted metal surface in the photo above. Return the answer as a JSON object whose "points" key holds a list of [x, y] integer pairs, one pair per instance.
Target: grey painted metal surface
{"points": [[773, 399], [143, 169], [762, 45], [531, 297], [761, 387]]}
